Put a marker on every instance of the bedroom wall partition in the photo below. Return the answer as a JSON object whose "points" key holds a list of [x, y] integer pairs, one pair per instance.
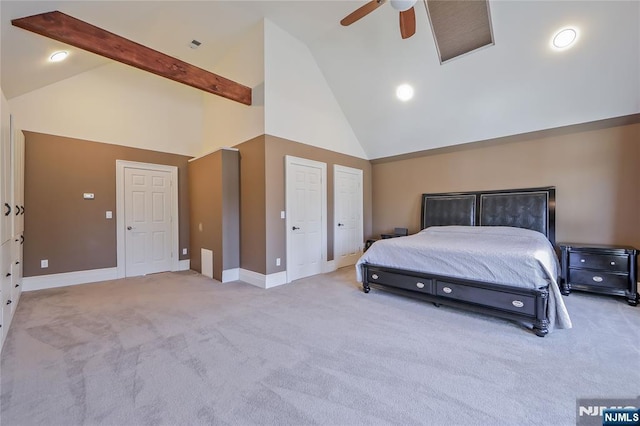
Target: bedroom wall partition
{"points": [[214, 199], [73, 233], [262, 171]]}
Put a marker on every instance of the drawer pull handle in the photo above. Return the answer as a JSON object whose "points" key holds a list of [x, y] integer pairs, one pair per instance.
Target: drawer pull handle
{"points": [[582, 260], [517, 303], [598, 279], [374, 276], [447, 290], [420, 285]]}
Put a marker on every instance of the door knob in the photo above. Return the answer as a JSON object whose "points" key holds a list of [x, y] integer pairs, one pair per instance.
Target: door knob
{"points": [[294, 228], [129, 228], [341, 224]]}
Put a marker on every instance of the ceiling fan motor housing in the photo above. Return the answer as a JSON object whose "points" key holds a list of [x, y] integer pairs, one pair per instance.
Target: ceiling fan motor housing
{"points": [[402, 5]]}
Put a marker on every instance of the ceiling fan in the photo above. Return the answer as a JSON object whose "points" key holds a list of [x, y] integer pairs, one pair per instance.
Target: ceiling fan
{"points": [[405, 7], [459, 26]]}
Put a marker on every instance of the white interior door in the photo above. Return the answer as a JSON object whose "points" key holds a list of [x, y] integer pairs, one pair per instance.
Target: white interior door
{"points": [[306, 217], [348, 221], [148, 221]]}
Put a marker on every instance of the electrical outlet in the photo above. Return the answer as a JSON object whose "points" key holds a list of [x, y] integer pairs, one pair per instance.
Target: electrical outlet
{"points": [[44, 263], [184, 251], [278, 261]]}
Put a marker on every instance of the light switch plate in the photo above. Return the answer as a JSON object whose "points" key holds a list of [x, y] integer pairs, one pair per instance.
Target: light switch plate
{"points": [[109, 215]]}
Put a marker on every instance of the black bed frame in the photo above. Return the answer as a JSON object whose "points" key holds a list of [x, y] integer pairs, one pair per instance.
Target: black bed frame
{"points": [[530, 208]]}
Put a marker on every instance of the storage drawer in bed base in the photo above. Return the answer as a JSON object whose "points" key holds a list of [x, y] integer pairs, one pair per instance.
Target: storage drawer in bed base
{"points": [[508, 301], [519, 304], [406, 282]]}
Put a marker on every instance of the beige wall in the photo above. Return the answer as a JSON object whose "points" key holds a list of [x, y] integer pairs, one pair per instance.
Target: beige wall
{"points": [[230, 209], [214, 202], [595, 171], [253, 231], [72, 233], [205, 214]]}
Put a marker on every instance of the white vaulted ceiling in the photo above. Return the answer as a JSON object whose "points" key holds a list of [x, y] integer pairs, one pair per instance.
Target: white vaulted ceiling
{"points": [[516, 86]]}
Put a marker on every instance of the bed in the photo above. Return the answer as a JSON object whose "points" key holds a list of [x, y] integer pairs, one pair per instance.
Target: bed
{"points": [[490, 252]]}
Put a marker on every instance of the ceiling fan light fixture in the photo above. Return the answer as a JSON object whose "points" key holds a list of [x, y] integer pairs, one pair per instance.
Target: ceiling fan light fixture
{"points": [[58, 56], [402, 5], [564, 38], [404, 92]]}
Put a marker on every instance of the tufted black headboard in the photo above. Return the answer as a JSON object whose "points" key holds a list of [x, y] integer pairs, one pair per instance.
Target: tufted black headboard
{"points": [[530, 208]]}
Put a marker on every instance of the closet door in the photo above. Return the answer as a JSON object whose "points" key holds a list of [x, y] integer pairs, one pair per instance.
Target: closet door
{"points": [[17, 174], [5, 289], [6, 203], [6, 217]]}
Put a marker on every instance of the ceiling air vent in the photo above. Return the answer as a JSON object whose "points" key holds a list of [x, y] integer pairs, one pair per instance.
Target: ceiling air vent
{"points": [[459, 27]]}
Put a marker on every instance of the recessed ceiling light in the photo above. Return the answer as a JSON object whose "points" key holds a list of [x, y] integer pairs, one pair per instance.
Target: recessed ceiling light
{"points": [[59, 56], [404, 92], [564, 38]]}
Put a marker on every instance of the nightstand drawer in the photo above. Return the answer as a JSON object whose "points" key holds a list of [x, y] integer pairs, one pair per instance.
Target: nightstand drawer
{"points": [[598, 278], [599, 261], [422, 285]]}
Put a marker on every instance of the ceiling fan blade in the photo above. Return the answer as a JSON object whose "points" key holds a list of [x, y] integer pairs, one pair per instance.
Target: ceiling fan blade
{"points": [[408, 23], [362, 11]]}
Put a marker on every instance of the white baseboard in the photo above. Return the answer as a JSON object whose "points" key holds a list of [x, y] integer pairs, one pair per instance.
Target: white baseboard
{"points": [[261, 280], [42, 282], [274, 280], [230, 275], [184, 265], [329, 266], [253, 278]]}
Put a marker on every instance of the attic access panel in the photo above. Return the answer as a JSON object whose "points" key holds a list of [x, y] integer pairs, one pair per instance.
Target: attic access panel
{"points": [[459, 26]]}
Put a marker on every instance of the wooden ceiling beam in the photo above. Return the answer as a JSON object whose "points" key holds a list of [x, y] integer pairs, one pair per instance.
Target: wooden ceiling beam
{"points": [[72, 31]]}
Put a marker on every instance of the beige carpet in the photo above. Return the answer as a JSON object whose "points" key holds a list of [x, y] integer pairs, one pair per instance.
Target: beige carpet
{"points": [[180, 349]]}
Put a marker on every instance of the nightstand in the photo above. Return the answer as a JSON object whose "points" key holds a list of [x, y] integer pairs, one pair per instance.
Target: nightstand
{"points": [[397, 232], [601, 269]]}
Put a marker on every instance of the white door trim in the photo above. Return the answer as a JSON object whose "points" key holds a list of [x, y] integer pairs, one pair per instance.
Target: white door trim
{"points": [[290, 160], [360, 225], [120, 224]]}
